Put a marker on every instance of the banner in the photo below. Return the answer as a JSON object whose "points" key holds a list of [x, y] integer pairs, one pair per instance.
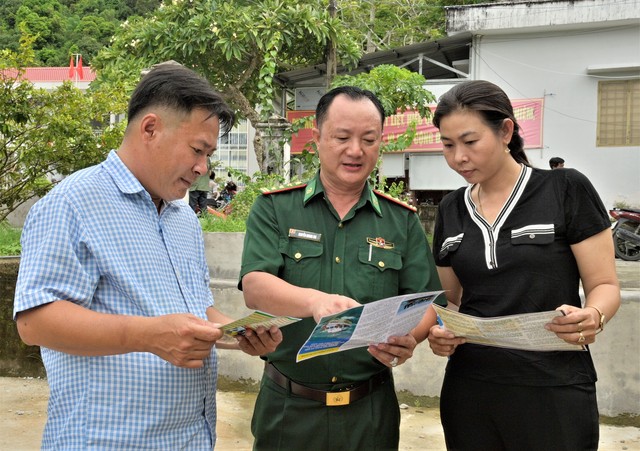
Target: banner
{"points": [[528, 113]]}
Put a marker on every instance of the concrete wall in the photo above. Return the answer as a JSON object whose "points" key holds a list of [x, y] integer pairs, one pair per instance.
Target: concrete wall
{"points": [[615, 353]]}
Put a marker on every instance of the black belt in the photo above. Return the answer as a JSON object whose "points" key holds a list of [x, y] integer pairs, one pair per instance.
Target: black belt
{"points": [[341, 397]]}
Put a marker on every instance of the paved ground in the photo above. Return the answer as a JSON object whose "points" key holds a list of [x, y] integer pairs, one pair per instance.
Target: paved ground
{"points": [[23, 405]]}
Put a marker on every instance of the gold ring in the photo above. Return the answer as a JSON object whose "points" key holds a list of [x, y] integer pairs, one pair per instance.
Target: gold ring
{"points": [[581, 339], [580, 326]]}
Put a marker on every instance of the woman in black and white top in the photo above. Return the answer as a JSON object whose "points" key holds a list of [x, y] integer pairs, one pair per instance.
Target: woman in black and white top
{"points": [[517, 240]]}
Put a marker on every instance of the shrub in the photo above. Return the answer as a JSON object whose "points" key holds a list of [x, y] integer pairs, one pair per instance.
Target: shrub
{"points": [[9, 239]]}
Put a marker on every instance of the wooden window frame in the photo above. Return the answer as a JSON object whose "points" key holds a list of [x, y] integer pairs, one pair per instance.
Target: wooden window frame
{"points": [[618, 104]]}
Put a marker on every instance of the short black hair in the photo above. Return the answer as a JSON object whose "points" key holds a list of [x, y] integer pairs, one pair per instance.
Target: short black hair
{"points": [[178, 88], [555, 162], [354, 93]]}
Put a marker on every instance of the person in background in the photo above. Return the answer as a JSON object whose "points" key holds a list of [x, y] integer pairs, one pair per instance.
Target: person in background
{"points": [[556, 163], [517, 240], [199, 191], [114, 286], [322, 247]]}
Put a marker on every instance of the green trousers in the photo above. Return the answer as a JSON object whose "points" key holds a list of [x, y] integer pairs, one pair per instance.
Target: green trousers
{"points": [[283, 421]]}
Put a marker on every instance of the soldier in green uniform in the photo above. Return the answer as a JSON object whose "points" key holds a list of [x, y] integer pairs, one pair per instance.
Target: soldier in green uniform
{"points": [[318, 249]]}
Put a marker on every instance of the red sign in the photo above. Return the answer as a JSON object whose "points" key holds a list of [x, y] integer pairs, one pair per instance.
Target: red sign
{"points": [[304, 136], [528, 113]]}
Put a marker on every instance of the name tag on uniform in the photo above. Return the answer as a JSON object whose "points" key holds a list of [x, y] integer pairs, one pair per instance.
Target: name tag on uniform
{"points": [[304, 235]]}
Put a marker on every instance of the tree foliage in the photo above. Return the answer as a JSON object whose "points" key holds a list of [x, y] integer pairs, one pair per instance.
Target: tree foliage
{"points": [[239, 46], [392, 23], [399, 90], [63, 27], [47, 134], [384, 24]]}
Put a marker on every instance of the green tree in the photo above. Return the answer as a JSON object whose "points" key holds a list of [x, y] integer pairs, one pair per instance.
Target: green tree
{"points": [[384, 24], [398, 89], [66, 26], [390, 23], [47, 134], [238, 45]]}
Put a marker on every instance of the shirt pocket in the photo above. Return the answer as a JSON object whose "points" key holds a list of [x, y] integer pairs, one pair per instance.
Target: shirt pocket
{"points": [[533, 234], [450, 245], [380, 271], [302, 261], [192, 294]]}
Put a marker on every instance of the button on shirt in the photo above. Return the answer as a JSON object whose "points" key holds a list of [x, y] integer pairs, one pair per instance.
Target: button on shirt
{"points": [[97, 240], [377, 250]]}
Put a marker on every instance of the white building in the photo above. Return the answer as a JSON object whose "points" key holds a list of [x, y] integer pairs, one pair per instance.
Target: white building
{"points": [[583, 59], [577, 60]]}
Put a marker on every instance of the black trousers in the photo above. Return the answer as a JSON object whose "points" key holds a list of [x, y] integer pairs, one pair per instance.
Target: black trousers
{"points": [[198, 200], [478, 416]]}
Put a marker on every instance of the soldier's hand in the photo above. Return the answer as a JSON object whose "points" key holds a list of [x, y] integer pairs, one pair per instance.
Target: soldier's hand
{"points": [[260, 341], [395, 351], [328, 304]]}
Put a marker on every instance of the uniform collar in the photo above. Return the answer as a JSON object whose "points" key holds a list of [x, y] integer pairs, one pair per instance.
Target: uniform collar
{"points": [[314, 188]]}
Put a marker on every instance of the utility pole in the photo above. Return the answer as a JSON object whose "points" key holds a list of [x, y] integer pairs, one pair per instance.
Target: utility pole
{"points": [[332, 63]]}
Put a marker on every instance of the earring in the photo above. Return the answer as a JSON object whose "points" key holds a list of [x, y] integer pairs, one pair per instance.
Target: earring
{"points": [[507, 150]]}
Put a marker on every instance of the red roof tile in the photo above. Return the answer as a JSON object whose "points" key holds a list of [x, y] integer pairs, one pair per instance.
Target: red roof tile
{"points": [[53, 74]]}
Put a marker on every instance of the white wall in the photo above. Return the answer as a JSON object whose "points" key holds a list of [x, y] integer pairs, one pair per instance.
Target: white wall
{"points": [[553, 65]]}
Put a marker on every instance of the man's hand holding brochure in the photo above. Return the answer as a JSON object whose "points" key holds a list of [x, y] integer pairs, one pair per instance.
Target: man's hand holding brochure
{"points": [[367, 324], [525, 331]]}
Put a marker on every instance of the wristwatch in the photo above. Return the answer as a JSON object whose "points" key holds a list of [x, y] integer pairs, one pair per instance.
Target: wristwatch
{"points": [[602, 318]]}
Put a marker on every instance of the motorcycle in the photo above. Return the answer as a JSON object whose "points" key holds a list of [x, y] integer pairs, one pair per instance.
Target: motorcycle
{"points": [[218, 200], [626, 233]]}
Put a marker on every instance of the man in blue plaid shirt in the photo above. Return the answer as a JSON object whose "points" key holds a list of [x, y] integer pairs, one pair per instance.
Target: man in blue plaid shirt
{"points": [[114, 285]]}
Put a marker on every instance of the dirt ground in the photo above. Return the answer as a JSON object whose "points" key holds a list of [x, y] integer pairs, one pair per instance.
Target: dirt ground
{"points": [[23, 407]]}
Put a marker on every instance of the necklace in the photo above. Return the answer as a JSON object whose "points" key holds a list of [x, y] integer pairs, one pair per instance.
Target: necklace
{"points": [[480, 201]]}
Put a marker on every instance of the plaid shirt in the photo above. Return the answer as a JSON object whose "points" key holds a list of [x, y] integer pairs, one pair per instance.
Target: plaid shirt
{"points": [[97, 240]]}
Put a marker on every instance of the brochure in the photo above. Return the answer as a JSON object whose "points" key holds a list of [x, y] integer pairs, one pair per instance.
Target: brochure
{"points": [[367, 324], [525, 331], [255, 320]]}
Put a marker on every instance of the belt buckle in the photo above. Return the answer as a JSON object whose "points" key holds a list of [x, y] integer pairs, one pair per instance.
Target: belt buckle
{"points": [[339, 398]]}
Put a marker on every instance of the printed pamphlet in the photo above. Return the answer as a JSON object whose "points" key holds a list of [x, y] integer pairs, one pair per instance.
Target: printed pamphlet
{"points": [[255, 320], [367, 324], [525, 331]]}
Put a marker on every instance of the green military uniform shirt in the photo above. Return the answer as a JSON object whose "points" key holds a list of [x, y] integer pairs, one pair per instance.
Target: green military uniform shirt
{"points": [[378, 250], [202, 182]]}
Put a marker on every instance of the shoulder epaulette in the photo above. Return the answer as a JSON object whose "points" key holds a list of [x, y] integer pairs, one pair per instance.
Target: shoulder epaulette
{"points": [[394, 200], [282, 189]]}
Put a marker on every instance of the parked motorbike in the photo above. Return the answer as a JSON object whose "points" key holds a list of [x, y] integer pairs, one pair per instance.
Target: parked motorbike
{"points": [[227, 194], [626, 233], [220, 199]]}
